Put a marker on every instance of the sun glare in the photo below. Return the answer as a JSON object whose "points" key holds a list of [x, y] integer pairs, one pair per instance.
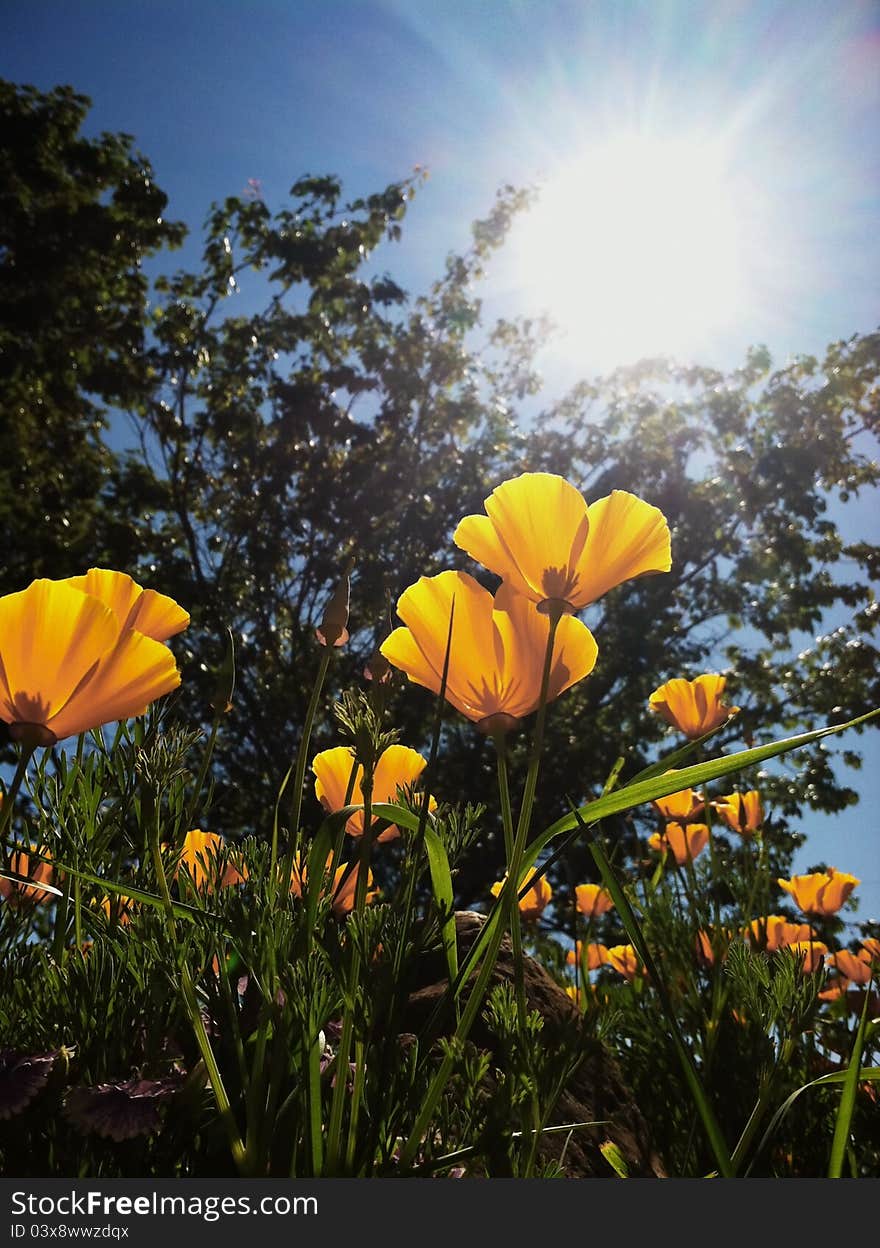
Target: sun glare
{"points": [[635, 249]]}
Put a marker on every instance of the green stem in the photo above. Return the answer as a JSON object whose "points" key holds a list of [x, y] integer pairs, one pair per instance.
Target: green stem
{"points": [[334, 1131], [8, 803], [514, 920], [298, 781], [316, 1139], [198, 1024], [628, 918], [848, 1096], [761, 1106], [507, 902]]}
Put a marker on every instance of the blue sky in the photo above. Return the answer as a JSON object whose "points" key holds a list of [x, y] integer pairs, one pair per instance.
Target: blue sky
{"points": [[485, 92]]}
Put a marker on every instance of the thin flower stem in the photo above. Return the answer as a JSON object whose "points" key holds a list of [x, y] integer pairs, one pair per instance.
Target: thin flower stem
{"points": [[515, 928], [692, 1078], [425, 804], [848, 1095], [298, 781], [334, 1130], [203, 770], [8, 803], [506, 900], [316, 1139], [500, 743], [765, 1093], [357, 1091], [198, 1023]]}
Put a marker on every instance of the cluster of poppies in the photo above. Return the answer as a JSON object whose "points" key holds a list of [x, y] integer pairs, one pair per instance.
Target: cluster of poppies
{"points": [[555, 555]]}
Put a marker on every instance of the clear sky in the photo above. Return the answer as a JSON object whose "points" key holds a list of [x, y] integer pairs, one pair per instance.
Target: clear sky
{"points": [[769, 114]]}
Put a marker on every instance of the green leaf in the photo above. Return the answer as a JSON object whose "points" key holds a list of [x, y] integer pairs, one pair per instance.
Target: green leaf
{"points": [[441, 882]]}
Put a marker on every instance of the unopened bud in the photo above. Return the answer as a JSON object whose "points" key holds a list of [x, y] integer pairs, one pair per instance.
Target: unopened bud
{"points": [[333, 630], [378, 668], [221, 700]]}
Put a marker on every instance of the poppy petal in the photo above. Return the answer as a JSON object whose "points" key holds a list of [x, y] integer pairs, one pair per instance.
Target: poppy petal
{"points": [[51, 637], [131, 675]]}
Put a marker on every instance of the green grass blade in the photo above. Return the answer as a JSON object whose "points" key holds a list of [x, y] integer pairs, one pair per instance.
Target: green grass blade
{"points": [[868, 1074], [848, 1096], [441, 883]]}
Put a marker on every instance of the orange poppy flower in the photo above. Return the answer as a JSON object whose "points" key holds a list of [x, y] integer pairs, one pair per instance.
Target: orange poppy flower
{"points": [[66, 664], [593, 900], [597, 955], [540, 536], [823, 892], [742, 812], [344, 888], [694, 707], [625, 960], [498, 648], [200, 856], [854, 967], [397, 767], [835, 986], [812, 951], [870, 949], [532, 903], [19, 893], [686, 840], [775, 931], [682, 807], [144, 610], [708, 941], [333, 630]]}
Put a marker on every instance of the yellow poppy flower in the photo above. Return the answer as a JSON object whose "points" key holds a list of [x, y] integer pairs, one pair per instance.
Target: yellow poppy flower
{"points": [[19, 893], [625, 960], [498, 648], [146, 611], [532, 903], [397, 767], [710, 939], [812, 951], [681, 807], [686, 840], [775, 931], [199, 856], [67, 666], [540, 536], [344, 887], [822, 892], [742, 812], [597, 955], [593, 900], [692, 706], [854, 967]]}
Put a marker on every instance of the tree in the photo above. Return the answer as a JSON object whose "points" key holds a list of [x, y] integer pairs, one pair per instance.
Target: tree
{"points": [[78, 218], [346, 423]]}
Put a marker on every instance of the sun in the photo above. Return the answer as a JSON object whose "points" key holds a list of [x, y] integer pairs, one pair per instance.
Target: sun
{"points": [[636, 248]]}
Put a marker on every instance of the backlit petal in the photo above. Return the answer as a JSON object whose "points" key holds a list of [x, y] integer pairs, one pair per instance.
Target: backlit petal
{"points": [[131, 675], [523, 631], [332, 770], [151, 613], [540, 522], [51, 636], [692, 706], [628, 538]]}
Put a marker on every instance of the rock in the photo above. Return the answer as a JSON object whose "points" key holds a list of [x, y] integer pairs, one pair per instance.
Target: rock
{"points": [[595, 1091]]}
